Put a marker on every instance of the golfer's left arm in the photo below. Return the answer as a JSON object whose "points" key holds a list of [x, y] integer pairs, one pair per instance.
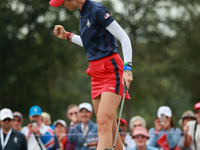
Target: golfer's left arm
{"points": [[116, 30]]}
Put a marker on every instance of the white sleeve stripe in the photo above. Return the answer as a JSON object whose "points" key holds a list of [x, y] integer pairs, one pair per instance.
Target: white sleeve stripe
{"points": [[115, 29]]}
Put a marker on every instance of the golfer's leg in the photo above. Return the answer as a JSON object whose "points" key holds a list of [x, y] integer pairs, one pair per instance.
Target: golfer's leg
{"points": [[95, 103], [106, 114], [119, 145]]}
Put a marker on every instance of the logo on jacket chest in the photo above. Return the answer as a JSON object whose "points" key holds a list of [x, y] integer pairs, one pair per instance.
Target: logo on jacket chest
{"points": [[15, 140], [88, 24]]}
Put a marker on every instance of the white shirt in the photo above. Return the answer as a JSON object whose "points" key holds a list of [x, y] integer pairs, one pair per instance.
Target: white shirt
{"points": [[32, 142], [129, 141], [84, 131], [191, 125]]}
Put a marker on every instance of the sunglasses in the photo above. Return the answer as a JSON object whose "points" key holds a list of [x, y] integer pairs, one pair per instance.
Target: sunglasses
{"points": [[75, 113], [137, 136], [7, 119], [122, 124], [197, 111], [18, 120]]}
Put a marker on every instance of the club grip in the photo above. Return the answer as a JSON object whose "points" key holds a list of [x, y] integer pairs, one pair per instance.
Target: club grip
{"points": [[125, 87]]}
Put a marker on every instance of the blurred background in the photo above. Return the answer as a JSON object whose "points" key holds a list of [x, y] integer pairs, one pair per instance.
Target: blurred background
{"points": [[36, 68]]}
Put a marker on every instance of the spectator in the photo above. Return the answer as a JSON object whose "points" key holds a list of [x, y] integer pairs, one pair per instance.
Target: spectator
{"points": [[17, 121], [136, 121], [122, 129], [84, 134], [10, 139], [192, 138], [60, 131], [46, 118], [38, 135], [186, 117], [164, 131], [73, 116], [140, 136]]}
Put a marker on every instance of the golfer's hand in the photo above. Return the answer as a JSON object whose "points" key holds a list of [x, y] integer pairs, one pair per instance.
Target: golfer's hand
{"points": [[60, 32], [127, 78]]}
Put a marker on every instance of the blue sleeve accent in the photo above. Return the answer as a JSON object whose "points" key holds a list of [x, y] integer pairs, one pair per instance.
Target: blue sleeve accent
{"points": [[152, 137], [173, 137], [103, 16]]}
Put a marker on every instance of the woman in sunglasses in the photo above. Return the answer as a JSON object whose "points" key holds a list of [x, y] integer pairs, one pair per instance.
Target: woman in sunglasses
{"points": [[73, 116], [140, 135]]}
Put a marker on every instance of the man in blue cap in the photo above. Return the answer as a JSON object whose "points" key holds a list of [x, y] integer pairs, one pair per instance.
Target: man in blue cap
{"points": [[38, 135]]}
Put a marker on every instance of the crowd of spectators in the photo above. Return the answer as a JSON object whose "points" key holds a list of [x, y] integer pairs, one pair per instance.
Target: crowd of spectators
{"points": [[82, 134]]}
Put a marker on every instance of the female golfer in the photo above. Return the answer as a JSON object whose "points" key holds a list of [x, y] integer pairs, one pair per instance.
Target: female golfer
{"points": [[107, 70]]}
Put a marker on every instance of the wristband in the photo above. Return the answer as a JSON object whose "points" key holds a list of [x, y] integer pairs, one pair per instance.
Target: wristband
{"points": [[28, 134], [128, 63], [69, 36], [127, 67], [156, 132]]}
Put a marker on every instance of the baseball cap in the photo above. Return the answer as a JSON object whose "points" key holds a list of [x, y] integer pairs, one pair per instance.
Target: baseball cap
{"points": [[164, 110], [197, 106], [6, 113], [61, 122], [187, 114], [18, 114], [87, 106], [140, 131], [35, 110], [56, 3]]}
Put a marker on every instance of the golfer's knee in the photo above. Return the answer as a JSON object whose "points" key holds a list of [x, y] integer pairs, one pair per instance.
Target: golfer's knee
{"points": [[104, 123]]}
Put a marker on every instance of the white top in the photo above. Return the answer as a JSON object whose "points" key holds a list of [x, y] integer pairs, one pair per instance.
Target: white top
{"points": [[191, 125], [32, 142], [129, 141]]}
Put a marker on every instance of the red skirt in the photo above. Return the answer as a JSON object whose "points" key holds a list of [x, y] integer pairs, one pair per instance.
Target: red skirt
{"points": [[106, 76]]}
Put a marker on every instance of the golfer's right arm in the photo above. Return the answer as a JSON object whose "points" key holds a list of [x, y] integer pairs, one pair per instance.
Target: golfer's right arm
{"points": [[61, 33]]}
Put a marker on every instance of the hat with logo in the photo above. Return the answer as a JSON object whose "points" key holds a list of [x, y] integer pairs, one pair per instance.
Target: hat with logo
{"points": [[56, 3], [197, 106], [140, 131], [18, 114], [35, 110], [87, 106], [6, 113], [164, 110], [61, 122]]}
